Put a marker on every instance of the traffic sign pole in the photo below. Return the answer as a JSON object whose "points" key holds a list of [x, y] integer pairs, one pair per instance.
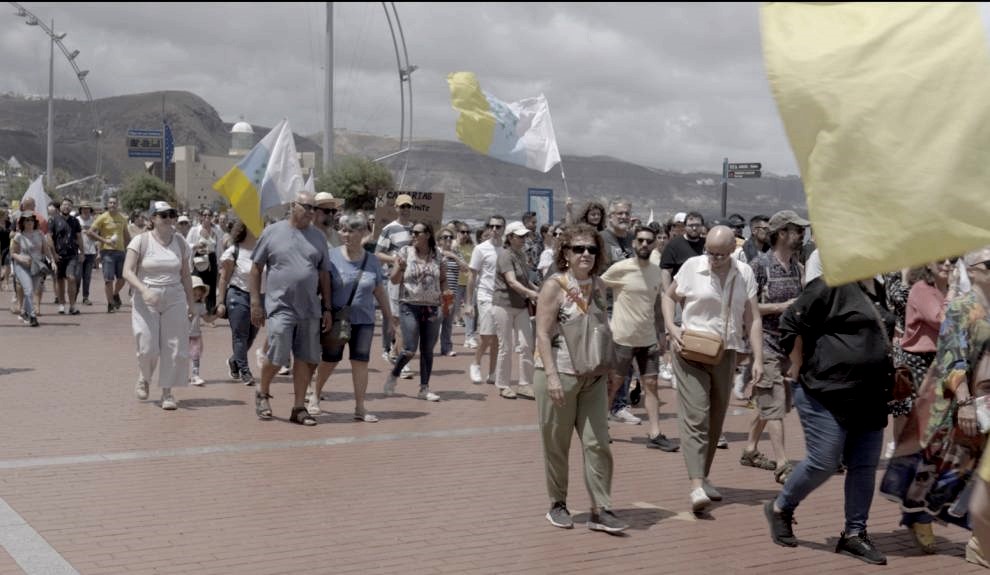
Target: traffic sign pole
{"points": [[725, 184]]}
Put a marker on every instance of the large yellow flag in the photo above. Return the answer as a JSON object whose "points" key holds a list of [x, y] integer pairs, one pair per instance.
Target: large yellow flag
{"points": [[887, 108]]}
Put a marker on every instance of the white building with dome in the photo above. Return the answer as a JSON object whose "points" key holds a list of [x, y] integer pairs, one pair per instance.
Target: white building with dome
{"points": [[195, 173]]}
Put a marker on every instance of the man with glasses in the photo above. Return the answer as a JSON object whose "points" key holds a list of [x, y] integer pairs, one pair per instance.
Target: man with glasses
{"points": [[718, 296], [682, 248], [325, 217], [534, 247], [635, 285], [297, 302], [393, 237], [481, 288], [778, 282], [758, 242]]}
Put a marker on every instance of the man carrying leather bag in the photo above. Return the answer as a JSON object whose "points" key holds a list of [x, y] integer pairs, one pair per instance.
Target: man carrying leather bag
{"points": [[718, 297]]}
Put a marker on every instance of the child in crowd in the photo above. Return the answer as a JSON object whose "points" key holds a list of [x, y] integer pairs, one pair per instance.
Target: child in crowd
{"points": [[199, 314]]}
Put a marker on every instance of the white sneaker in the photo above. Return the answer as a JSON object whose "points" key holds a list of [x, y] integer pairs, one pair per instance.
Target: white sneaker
{"points": [[723, 443], [197, 381], [61, 309], [390, 383], [168, 402], [666, 372], [699, 500], [386, 356], [739, 385], [141, 389], [313, 405], [710, 490], [471, 343], [287, 370], [406, 373], [425, 393], [475, 371], [625, 416]]}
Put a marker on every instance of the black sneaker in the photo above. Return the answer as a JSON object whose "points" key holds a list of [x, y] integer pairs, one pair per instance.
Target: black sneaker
{"points": [[247, 378], [110, 308], [780, 525], [606, 521], [559, 516], [116, 301], [34, 321], [861, 547], [662, 443], [235, 372]]}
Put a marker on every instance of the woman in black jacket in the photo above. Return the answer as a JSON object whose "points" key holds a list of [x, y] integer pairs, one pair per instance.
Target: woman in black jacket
{"points": [[839, 343]]}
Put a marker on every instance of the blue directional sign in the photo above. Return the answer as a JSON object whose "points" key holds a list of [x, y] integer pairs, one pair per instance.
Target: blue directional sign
{"points": [[144, 143]]}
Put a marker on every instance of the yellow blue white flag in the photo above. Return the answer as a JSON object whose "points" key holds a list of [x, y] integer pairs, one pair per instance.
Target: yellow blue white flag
{"points": [[887, 108], [516, 132], [267, 177]]}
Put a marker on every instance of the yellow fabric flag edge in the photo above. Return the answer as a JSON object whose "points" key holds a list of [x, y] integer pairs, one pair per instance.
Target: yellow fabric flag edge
{"points": [[476, 123], [243, 197]]}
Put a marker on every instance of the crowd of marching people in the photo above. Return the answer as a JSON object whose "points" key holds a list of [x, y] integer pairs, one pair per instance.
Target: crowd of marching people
{"points": [[596, 312]]}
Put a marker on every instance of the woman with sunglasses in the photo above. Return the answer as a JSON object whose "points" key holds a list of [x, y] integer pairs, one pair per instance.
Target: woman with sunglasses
{"points": [[419, 272], [566, 402], [455, 262], [157, 268], [28, 249]]}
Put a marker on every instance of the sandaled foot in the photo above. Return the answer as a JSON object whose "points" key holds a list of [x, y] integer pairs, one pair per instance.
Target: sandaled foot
{"points": [[757, 460], [365, 417], [261, 406], [782, 472], [301, 416]]}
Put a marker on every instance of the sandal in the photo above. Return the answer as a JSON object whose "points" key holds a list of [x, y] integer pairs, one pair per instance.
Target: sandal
{"points": [[365, 417], [261, 406], [783, 472], [757, 460], [301, 416]]}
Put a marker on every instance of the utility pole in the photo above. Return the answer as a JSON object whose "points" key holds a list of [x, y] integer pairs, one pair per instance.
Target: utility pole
{"points": [[328, 97]]}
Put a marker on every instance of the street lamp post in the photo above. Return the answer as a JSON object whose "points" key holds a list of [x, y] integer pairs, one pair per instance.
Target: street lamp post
{"points": [[32, 20]]}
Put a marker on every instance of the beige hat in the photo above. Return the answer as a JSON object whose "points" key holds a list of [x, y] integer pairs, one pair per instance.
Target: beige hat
{"points": [[197, 282], [326, 200], [784, 217], [403, 199], [183, 219]]}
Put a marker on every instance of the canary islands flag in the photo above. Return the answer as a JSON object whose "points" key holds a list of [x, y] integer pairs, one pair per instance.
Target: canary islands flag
{"points": [[887, 109], [267, 177], [516, 132]]}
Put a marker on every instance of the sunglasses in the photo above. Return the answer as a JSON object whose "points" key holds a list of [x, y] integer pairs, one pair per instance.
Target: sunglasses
{"points": [[405, 207], [581, 250], [446, 237], [168, 215], [494, 227], [306, 207], [464, 231], [558, 234], [328, 211], [986, 265], [645, 240]]}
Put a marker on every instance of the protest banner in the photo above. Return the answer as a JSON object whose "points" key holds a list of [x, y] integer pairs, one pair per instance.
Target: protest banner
{"points": [[427, 207]]}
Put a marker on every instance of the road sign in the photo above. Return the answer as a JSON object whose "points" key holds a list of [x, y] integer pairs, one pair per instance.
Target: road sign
{"points": [[144, 143], [744, 173], [749, 166]]}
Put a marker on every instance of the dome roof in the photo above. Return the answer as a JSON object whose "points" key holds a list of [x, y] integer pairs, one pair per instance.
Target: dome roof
{"points": [[242, 128]]}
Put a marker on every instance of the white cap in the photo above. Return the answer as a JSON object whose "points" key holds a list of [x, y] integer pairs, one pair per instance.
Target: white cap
{"points": [[184, 219], [160, 206], [680, 218], [517, 228], [197, 282]]}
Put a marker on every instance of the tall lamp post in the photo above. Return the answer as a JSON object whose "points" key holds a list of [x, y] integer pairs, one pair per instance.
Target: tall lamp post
{"points": [[56, 39]]}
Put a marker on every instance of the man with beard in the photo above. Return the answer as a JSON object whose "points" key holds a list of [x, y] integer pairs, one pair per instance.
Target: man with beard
{"points": [[758, 242], [681, 248], [778, 281], [635, 284], [65, 230]]}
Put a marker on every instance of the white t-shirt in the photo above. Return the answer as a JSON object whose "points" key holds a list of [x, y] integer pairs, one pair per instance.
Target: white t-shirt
{"points": [[812, 267], [703, 294], [242, 267], [89, 246], [159, 265], [484, 260], [635, 290]]}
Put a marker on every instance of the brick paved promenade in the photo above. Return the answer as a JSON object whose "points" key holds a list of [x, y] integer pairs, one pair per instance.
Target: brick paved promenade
{"points": [[94, 481]]}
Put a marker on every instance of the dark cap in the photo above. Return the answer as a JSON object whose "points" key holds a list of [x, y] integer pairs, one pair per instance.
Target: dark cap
{"points": [[784, 217]]}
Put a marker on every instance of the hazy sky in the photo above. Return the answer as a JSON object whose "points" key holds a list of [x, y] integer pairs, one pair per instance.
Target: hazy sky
{"points": [[669, 86]]}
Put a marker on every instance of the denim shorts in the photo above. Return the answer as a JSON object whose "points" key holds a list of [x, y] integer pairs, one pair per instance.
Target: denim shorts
{"points": [[112, 262], [359, 344], [290, 335]]}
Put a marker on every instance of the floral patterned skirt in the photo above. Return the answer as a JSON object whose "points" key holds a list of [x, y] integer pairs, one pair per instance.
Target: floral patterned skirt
{"points": [[916, 366]]}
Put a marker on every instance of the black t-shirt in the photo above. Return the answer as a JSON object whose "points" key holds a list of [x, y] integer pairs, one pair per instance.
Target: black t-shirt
{"points": [[5, 237], [678, 251], [65, 232]]}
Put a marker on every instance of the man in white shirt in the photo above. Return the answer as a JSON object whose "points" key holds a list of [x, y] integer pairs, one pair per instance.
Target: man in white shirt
{"points": [[718, 297], [394, 236], [484, 260]]}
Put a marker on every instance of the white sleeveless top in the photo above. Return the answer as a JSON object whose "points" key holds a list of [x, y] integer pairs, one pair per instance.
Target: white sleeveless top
{"points": [[159, 265]]}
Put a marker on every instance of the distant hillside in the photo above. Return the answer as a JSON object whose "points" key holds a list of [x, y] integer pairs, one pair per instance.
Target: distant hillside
{"points": [[475, 185]]}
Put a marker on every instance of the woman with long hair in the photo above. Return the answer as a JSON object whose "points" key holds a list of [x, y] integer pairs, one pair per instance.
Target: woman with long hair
{"points": [[568, 402], [419, 272], [157, 268], [454, 262], [235, 304]]}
